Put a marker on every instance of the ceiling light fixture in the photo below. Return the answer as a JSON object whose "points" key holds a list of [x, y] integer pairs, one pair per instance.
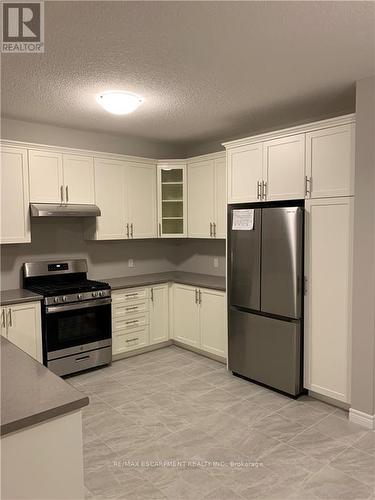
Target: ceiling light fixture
{"points": [[119, 102]]}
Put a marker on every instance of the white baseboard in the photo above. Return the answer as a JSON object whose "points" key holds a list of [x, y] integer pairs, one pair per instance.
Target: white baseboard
{"points": [[361, 418]]}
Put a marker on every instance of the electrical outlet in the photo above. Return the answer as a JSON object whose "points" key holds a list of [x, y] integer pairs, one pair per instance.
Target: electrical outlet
{"points": [[216, 261], [130, 263]]}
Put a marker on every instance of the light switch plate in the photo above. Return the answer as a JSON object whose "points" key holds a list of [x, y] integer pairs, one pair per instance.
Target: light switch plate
{"points": [[130, 263], [216, 261]]}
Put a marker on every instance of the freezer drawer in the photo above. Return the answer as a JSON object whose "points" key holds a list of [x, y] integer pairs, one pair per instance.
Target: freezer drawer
{"points": [[266, 350], [282, 261], [245, 265]]}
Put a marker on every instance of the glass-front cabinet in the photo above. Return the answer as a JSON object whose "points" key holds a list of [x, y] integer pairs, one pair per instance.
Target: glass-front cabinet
{"points": [[172, 200]]}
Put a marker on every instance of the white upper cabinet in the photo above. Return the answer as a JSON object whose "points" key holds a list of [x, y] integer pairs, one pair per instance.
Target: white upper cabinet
{"points": [[111, 199], [207, 198], [201, 199], [328, 269], [330, 161], [15, 220], [78, 175], [172, 199], [46, 177], [141, 196], [245, 173], [284, 168], [220, 198], [60, 178]]}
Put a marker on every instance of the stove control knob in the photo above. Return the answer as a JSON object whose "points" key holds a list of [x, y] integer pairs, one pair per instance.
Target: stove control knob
{"points": [[94, 294], [79, 296], [100, 294], [63, 298], [56, 299]]}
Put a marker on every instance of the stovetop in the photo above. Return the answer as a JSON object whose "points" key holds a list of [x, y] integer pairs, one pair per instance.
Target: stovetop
{"points": [[49, 289]]}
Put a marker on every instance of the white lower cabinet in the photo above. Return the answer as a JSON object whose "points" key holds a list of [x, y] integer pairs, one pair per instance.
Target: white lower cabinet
{"points": [[328, 303], [199, 318], [185, 326], [159, 313], [21, 325]]}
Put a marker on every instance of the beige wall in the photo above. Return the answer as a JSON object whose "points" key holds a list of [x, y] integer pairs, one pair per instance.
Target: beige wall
{"points": [[63, 239], [42, 133], [363, 358]]}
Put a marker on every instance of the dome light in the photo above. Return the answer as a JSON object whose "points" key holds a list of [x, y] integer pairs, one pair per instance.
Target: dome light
{"points": [[119, 102]]}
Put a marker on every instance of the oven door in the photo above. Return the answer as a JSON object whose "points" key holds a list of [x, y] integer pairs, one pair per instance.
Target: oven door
{"points": [[77, 327]]}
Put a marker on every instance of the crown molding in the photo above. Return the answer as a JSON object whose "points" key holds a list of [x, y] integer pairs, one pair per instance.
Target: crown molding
{"points": [[308, 127]]}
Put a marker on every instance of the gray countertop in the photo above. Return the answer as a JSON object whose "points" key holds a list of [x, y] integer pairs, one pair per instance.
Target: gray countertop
{"points": [[193, 279], [30, 393], [18, 295]]}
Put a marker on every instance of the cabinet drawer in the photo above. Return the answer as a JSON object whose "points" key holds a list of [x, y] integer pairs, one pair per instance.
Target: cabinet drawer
{"points": [[127, 340], [130, 295], [121, 310], [129, 322]]}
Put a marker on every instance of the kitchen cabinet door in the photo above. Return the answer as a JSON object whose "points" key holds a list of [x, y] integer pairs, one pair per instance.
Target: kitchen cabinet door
{"points": [[15, 220], [45, 177], [328, 268], [111, 199], [172, 200], [284, 168], [212, 322], [159, 313], [330, 161], [245, 172], [185, 314], [78, 179], [3, 321], [141, 192], [220, 229], [201, 199], [24, 328]]}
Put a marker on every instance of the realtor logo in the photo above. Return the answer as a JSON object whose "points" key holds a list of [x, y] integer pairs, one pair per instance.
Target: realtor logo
{"points": [[23, 27]]}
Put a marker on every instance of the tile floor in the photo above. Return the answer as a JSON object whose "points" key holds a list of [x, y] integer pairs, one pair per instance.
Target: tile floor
{"points": [[171, 424]]}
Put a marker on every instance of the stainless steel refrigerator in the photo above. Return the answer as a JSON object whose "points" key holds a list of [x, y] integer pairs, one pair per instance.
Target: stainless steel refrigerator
{"points": [[265, 294]]}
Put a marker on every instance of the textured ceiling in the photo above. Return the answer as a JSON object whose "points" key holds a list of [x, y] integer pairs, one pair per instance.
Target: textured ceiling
{"points": [[207, 70]]}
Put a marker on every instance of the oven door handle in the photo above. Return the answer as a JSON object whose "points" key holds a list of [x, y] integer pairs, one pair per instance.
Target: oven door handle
{"points": [[78, 305]]}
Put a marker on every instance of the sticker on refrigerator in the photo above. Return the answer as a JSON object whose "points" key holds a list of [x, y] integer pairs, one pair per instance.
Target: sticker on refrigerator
{"points": [[243, 219]]}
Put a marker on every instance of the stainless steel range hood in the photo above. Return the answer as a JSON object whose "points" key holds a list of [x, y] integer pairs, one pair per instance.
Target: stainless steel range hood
{"points": [[56, 210]]}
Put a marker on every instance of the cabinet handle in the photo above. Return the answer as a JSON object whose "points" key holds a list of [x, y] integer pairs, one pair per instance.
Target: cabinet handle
{"points": [[127, 230], [132, 340], [196, 296], [3, 318], [159, 229], [131, 230], [67, 193], [264, 190], [259, 194], [199, 297], [133, 308], [214, 225], [130, 295], [10, 317], [305, 285], [62, 193], [307, 186], [210, 229], [152, 295], [131, 322]]}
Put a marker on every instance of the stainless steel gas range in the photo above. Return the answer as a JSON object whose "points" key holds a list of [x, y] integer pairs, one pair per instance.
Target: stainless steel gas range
{"points": [[76, 315]]}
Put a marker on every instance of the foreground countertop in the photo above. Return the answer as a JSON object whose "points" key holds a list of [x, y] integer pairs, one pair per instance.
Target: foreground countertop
{"points": [[30, 393], [18, 295], [193, 279]]}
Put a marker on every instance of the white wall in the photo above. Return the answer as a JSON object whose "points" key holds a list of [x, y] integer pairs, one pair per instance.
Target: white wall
{"points": [[363, 352], [42, 133]]}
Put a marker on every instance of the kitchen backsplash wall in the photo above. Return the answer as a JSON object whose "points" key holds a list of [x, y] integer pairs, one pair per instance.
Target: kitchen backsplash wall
{"points": [[63, 239]]}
